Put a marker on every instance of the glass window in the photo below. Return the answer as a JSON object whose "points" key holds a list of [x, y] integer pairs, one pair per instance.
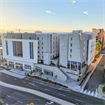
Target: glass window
{"points": [[37, 38], [71, 39], [70, 56], [70, 50], [71, 45]]}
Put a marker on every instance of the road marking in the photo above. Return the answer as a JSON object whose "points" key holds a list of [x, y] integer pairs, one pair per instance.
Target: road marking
{"points": [[8, 96], [78, 100], [19, 101], [33, 84], [49, 103], [61, 94], [47, 89]]}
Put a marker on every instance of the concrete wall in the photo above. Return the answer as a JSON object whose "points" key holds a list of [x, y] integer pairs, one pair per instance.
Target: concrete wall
{"points": [[16, 35], [27, 35], [70, 73], [63, 50], [55, 71], [19, 48], [26, 50]]}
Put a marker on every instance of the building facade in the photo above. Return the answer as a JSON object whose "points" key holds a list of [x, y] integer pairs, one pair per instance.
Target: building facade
{"points": [[24, 50], [76, 53]]}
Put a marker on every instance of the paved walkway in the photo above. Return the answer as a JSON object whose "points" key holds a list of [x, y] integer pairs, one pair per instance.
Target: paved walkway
{"points": [[12, 74], [35, 92]]}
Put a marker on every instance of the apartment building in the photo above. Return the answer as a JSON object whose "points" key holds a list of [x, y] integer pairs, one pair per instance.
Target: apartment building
{"points": [[24, 50], [76, 53], [100, 35]]}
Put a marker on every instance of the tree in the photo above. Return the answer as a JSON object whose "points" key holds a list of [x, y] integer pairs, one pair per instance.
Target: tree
{"points": [[55, 77], [31, 72], [1, 102], [41, 73], [98, 46], [35, 70]]}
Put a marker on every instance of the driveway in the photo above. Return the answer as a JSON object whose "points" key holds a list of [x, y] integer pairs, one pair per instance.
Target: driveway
{"points": [[98, 77]]}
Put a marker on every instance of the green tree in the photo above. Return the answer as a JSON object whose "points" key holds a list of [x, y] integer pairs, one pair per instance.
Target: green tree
{"points": [[41, 73], [1, 102], [31, 72], [34, 71], [55, 77], [98, 46]]}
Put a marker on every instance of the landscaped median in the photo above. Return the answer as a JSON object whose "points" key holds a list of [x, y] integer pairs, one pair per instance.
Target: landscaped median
{"points": [[46, 80]]}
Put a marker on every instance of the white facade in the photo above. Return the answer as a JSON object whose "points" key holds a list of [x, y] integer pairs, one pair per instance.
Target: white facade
{"points": [[77, 51]]}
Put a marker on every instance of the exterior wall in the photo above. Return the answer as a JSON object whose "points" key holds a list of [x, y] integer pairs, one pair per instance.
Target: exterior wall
{"points": [[70, 73], [55, 71], [91, 52], [14, 35], [26, 51], [28, 35], [76, 48], [47, 58], [63, 50]]}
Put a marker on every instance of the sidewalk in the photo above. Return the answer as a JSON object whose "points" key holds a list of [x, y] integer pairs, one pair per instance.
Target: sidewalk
{"points": [[34, 92], [94, 65]]}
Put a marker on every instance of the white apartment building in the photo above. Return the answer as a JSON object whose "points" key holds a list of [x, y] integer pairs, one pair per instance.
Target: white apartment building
{"points": [[24, 50], [76, 51], [38, 50]]}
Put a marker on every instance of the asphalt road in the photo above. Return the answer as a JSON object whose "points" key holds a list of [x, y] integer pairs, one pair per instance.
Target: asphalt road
{"points": [[98, 77], [54, 90], [12, 97]]}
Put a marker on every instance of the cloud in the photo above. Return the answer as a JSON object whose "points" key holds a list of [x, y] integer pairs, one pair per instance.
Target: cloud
{"points": [[86, 12], [73, 1], [50, 12]]}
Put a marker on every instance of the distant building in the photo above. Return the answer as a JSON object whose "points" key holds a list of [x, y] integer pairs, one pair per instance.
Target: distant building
{"points": [[100, 35]]}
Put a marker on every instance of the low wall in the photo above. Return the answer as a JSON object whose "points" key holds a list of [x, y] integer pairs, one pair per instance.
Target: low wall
{"points": [[70, 73], [55, 71]]}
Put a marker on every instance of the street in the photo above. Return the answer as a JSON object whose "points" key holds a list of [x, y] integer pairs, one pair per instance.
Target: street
{"points": [[98, 77], [53, 90], [10, 97]]}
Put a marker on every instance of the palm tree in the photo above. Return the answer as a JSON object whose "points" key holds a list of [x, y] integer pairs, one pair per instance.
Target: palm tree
{"points": [[98, 46]]}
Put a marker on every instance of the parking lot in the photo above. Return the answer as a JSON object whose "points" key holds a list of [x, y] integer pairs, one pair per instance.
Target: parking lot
{"points": [[98, 77]]}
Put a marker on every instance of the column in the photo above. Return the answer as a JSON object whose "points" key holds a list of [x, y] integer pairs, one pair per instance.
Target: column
{"points": [[14, 65]]}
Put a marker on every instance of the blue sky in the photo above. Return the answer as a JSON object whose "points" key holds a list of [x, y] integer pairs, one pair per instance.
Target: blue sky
{"points": [[52, 15]]}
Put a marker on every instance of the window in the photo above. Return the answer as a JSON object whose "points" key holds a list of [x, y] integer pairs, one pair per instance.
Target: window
{"points": [[38, 51], [38, 42], [70, 56], [38, 47], [42, 52], [42, 38], [71, 39], [38, 56], [42, 47], [56, 37], [42, 56], [70, 50], [37, 38], [71, 45], [42, 43], [53, 38]]}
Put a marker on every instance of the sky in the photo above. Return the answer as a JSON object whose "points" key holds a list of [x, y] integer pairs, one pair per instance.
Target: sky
{"points": [[51, 15]]}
